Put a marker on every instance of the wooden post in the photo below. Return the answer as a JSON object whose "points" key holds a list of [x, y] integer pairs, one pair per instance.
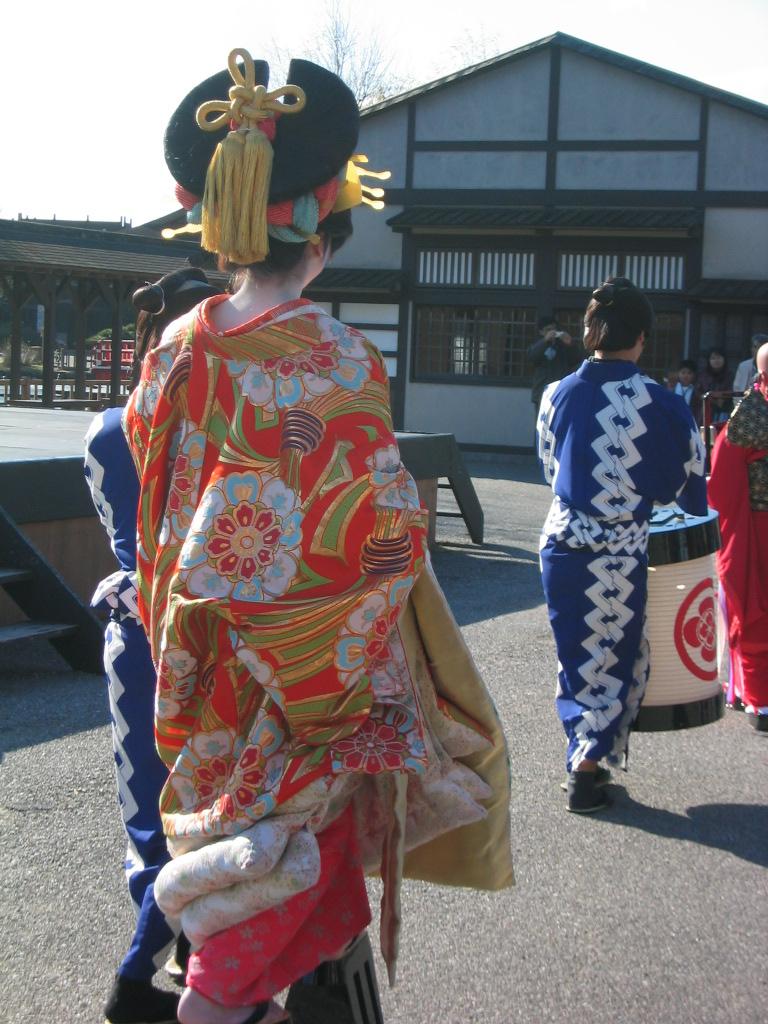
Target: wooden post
{"points": [[44, 289], [49, 347], [117, 343], [15, 350], [83, 296]]}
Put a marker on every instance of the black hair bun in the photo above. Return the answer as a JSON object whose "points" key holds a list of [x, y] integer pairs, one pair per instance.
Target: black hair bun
{"points": [[174, 293], [309, 148], [624, 300], [605, 294], [150, 298], [613, 289]]}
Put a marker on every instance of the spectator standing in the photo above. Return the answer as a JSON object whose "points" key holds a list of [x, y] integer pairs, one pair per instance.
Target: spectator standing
{"points": [[715, 379], [553, 356]]}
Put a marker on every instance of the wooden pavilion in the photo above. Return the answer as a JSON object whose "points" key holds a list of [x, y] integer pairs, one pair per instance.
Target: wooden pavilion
{"points": [[48, 263]]}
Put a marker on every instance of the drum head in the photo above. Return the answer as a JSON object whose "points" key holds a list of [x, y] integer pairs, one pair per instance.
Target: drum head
{"points": [[676, 536]]}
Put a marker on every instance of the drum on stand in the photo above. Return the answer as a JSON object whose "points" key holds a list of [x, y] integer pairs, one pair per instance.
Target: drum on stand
{"points": [[683, 687]]}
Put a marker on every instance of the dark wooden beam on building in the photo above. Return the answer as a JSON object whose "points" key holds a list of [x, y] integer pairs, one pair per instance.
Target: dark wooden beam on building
{"points": [[83, 293], [44, 289], [49, 343]]}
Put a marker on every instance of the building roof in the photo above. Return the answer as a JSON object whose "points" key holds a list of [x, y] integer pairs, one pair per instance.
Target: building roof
{"points": [[581, 46], [343, 279], [30, 245], [175, 219], [95, 225], [723, 290], [577, 217], [29, 255]]}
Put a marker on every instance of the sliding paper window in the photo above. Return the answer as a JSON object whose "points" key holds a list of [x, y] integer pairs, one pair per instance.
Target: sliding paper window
{"points": [[480, 342]]}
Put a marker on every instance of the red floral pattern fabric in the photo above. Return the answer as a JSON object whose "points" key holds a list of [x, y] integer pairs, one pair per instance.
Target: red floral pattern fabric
{"points": [[279, 537]]}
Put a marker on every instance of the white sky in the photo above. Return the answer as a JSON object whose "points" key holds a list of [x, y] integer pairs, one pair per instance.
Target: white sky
{"points": [[88, 86]]}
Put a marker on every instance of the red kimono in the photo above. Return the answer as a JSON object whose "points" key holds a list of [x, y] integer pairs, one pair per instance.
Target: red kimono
{"points": [[742, 565]]}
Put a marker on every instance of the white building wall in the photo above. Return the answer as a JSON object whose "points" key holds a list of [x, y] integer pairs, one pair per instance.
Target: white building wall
{"points": [[627, 170], [374, 245], [387, 313], [383, 139], [474, 414], [509, 102], [386, 336], [601, 101], [737, 150], [479, 170], [735, 244]]}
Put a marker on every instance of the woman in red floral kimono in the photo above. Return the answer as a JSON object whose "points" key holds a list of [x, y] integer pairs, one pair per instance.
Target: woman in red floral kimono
{"points": [[279, 540]]}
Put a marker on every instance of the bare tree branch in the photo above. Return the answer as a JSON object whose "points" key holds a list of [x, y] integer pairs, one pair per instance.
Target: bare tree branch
{"points": [[360, 61], [476, 45]]}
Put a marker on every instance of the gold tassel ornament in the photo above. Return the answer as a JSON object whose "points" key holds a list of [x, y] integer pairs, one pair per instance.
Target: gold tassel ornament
{"points": [[234, 208]]}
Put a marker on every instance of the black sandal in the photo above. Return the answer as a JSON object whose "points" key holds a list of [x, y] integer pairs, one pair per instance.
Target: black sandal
{"points": [[584, 795], [341, 991], [603, 777]]}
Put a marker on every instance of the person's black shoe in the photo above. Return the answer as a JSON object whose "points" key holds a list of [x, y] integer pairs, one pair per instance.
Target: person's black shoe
{"points": [[584, 796], [138, 1002], [603, 777], [759, 722]]}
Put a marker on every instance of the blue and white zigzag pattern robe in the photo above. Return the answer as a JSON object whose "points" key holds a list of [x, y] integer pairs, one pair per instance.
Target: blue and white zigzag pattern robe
{"points": [[612, 442], [114, 485]]}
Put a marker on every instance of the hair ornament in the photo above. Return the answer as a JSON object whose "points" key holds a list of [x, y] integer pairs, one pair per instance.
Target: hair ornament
{"points": [[351, 190], [234, 207]]}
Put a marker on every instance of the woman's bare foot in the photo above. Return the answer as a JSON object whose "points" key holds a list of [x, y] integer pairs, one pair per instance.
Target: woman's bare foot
{"points": [[194, 1008]]}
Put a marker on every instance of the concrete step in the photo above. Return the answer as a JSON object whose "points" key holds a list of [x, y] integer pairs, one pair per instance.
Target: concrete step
{"points": [[13, 575], [35, 630]]}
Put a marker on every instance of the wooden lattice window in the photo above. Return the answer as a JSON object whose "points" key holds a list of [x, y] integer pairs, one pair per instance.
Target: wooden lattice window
{"points": [[480, 342]]}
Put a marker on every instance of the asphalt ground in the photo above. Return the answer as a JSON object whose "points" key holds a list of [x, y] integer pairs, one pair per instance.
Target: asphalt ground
{"points": [[652, 912]]}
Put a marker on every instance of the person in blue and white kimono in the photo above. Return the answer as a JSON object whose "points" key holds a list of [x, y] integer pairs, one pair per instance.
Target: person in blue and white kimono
{"points": [[611, 442], [111, 476]]}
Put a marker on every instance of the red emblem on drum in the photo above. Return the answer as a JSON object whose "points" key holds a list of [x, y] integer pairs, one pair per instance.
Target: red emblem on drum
{"points": [[696, 632]]}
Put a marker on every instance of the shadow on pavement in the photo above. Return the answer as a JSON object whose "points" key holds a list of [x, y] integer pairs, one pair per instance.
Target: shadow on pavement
{"points": [[522, 468], [48, 703], [740, 829], [487, 582]]}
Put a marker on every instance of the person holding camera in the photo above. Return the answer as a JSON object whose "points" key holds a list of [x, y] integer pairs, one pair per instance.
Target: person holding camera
{"points": [[554, 355]]}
